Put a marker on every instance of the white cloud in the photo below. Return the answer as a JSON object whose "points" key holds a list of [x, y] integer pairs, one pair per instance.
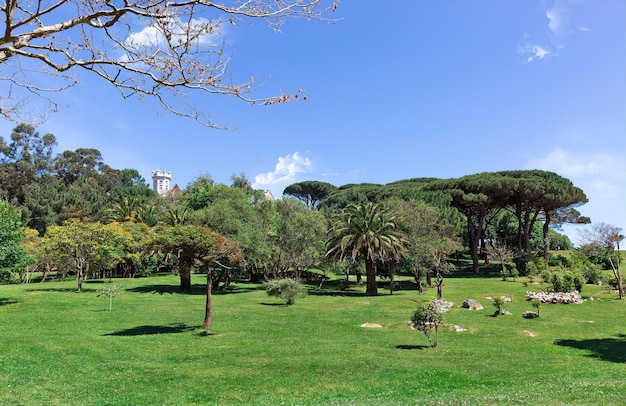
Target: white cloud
{"points": [[600, 175], [578, 165], [152, 36], [559, 27], [534, 52], [287, 168], [557, 18]]}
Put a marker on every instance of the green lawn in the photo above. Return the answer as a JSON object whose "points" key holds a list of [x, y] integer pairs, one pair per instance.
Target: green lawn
{"points": [[62, 347]]}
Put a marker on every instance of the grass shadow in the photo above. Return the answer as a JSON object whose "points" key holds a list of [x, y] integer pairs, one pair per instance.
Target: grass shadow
{"points": [[6, 301], [606, 349], [412, 347], [274, 304], [150, 330], [162, 289], [196, 289], [62, 290]]}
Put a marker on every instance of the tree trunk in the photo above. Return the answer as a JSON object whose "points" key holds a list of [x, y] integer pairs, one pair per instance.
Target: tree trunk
{"points": [[209, 306], [474, 237], [370, 273], [184, 269], [618, 277], [80, 274], [546, 228]]}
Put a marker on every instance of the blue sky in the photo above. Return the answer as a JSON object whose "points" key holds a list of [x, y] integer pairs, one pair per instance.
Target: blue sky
{"points": [[414, 89]]}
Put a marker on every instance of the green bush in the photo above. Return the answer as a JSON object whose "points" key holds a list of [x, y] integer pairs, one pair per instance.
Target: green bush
{"points": [[285, 288], [592, 273], [567, 281], [532, 269], [427, 318], [498, 303], [6, 277], [558, 260]]}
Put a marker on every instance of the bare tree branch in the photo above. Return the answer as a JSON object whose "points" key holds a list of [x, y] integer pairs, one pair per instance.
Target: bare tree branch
{"points": [[151, 49]]}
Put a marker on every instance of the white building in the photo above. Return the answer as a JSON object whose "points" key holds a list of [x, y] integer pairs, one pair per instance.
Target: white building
{"points": [[161, 181]]}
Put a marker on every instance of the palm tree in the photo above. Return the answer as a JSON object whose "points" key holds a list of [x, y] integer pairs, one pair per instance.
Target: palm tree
{"points": [[366, 231], [125, 210], [148, 215]]}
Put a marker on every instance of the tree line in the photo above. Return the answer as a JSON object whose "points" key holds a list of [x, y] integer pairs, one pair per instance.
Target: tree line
{"points": [[71, 214]]}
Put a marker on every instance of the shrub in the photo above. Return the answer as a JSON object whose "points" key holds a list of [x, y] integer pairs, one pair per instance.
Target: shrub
{"points": [[498, 303], [567, 281], [285, 288], [592, 273], [426, 318], [558, 260], [531, 269], [109, 292], [537, 305]]}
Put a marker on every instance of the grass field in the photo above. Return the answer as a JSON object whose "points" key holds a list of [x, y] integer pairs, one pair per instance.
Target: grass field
{"points": [[62, 347]]}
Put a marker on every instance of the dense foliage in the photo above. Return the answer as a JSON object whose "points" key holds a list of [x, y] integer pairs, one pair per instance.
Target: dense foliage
{"points": [[86, 219]]}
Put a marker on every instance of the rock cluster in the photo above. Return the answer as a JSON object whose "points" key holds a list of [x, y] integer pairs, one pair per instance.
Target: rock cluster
{"points": [[442, 306], [556, 297]]}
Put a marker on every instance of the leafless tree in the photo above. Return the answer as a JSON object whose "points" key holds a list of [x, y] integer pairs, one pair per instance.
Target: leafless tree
{"points": [[604, 239], [156, 50], [500, 253]]}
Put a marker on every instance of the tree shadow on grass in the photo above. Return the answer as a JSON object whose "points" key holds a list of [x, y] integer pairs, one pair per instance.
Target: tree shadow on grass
{"points": [[196, 289], [412, 347], [62, 290], [606, 349], [336, 292], [6, 301], [149, 330]]}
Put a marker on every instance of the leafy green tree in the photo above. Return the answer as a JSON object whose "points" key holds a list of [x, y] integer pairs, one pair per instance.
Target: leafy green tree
{"points": [[346, 195], [426, 318], [366, 231], [131, 239], [309, 192], [191, 244], [47, 202], [12, 254], [229, 211], [24, 160], [32, 246], [241, 181], [82, 244], [536, 193], [83, 162], [299, 236], [480, 198], [430, 235]]}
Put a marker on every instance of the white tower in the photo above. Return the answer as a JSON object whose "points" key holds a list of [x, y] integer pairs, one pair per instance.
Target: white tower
{"points": [[161, 181]]}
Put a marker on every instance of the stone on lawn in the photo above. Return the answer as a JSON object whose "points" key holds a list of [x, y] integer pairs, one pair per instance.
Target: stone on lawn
{"points": [[472, 304]]}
